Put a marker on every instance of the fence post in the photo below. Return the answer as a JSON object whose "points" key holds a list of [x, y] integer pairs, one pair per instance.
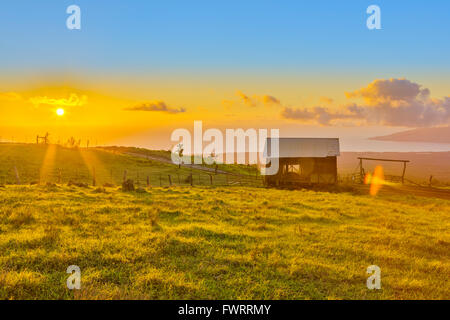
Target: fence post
{"points": [[124, 175], [17, 175], [170, 180], [211, 179], [148, 181], [59, 175], [191, 178], [93, 177]]}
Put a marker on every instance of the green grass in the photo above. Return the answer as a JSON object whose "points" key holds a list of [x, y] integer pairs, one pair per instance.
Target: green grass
{"points": [[220, 243], [205, 242], [55, 164]]}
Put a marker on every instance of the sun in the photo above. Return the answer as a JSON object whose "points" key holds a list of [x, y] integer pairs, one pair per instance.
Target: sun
{"points": [[60, 112]]}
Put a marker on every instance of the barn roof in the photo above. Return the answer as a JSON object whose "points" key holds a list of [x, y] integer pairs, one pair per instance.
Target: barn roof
{"points": [[303, 147]]}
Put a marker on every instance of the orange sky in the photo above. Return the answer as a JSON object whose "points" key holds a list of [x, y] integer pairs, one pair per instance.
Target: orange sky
{"points": [[103, 112]]}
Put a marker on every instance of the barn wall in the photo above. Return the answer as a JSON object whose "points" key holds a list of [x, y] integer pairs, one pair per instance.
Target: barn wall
{"points": [[314, 170]]}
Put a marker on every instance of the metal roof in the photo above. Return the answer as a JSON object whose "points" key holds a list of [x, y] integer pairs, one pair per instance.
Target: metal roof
{"points": [[303, 147]]}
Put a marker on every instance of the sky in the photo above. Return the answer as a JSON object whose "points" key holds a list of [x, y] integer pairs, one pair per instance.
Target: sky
{"points": [[137, 70]]}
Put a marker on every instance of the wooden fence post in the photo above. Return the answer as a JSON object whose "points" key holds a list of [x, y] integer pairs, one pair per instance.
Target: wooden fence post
{"points": [[403, 174], [170, 180], [191, 178], [17, 175], [211, 179], [93, 177], [148, 181], [124, 175], [361, 171]]}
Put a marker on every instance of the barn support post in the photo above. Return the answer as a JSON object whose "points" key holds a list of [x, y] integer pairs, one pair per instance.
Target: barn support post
{"points": [[335, 171]]}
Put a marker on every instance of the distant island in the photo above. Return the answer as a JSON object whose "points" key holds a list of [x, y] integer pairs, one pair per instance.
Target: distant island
{"points": [[435, 135]]}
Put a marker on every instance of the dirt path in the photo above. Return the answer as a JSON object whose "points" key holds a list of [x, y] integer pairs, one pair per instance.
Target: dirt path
{"points": [[192, 166]]}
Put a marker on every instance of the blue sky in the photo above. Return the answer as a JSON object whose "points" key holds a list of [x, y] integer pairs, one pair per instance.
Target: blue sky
{"points": [[218, 36]]}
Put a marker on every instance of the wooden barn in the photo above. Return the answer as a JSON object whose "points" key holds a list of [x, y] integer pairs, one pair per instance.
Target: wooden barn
{"points": [[303, 161]]}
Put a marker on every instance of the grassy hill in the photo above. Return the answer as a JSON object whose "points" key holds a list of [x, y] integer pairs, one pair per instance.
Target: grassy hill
{"points": [[220, 243], [56, 164], [209, 242]]}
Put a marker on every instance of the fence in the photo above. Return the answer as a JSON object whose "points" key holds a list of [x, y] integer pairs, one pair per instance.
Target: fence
{"points": [[140, 178]]}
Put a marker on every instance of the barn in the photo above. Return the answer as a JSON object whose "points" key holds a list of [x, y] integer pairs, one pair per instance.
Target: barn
{"points": [[303, 161]]}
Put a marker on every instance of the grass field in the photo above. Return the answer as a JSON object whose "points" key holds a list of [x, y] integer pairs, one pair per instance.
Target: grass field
{"points": [[217, 242], [55, 164]]}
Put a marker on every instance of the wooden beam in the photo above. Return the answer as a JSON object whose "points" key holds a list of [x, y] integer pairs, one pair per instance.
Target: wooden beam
{"points": [[392, 160]]}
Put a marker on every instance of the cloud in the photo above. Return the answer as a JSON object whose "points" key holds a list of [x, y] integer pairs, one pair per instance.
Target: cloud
{"points": [[391, 90], [252, 101], [155, 106], [391, 102], [326, 100], [319, 115], [10, 96], [266, 99], [246, 99], [72, 101]]}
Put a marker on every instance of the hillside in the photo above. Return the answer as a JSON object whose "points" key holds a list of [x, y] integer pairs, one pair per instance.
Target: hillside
{"points": [[199, 242], [55, 164], [220, 243], [434, 135]]}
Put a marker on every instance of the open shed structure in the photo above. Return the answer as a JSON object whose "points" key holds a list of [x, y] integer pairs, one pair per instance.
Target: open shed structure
{"points": [[303, 161]]}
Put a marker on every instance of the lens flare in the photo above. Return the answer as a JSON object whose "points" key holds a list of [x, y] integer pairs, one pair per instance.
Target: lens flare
{"points": [[60, 112], [376, 180]]}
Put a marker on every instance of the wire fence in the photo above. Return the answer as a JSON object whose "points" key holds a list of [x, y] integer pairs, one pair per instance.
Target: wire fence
{"points": [[140, 178]]}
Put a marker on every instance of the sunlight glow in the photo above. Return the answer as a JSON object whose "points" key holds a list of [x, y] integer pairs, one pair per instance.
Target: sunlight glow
{"points": [[60, 112], [376, 180]]}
